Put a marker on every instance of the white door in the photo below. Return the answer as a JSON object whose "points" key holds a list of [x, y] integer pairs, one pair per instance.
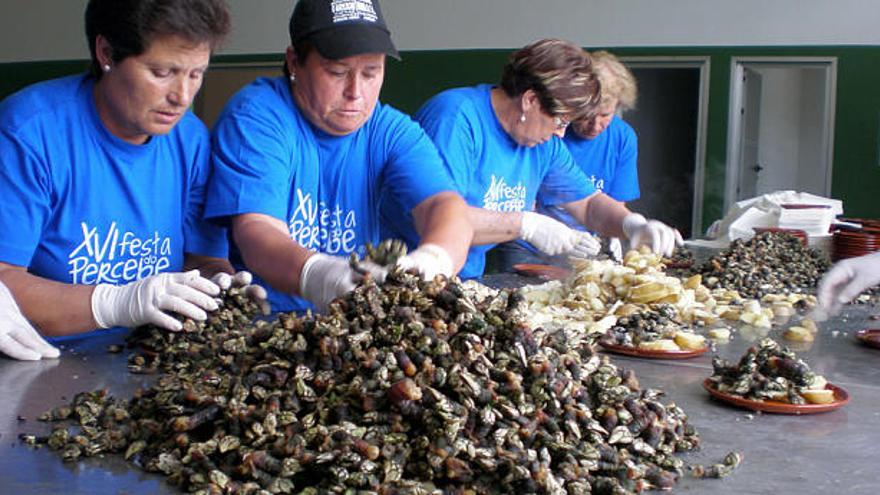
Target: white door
{"points": [[750, 166], [782, 126]]}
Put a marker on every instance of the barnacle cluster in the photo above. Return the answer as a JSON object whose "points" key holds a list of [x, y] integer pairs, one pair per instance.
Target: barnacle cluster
{"points": [[768, 263], [652, 330], [769, 371], [681, 257], [196, 346], [404, 387]]}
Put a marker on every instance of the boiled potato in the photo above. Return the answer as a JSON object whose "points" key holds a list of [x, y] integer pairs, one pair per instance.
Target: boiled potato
{"points": [[809, 324], [719, 334], [690, 341], [818, 382], [823, 396], [659, 345], [798, 334]]}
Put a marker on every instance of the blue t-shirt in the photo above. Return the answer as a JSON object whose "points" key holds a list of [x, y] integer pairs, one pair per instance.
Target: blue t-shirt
{"points": [[608, 161], [82, 206], [489, 168], [269, 159]]}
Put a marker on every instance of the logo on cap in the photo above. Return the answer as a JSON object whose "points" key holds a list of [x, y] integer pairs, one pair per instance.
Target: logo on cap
{"points": [[353, 10]]}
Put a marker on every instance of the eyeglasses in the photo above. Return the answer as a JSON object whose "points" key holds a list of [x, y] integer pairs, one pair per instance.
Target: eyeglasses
{"points": [[560, 122]]}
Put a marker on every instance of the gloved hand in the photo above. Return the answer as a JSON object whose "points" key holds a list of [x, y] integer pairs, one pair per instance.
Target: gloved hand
{"points": [[553, 237], [325, 277], [615, 248], [586, 245], [846, 280], [242, 280], [146, 300], [661, 237], [18, 339], [429, 259]]}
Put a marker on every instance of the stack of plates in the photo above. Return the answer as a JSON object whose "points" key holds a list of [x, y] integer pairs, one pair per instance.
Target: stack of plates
{"points": [[812, 219], [864, 222], [852, 242]]}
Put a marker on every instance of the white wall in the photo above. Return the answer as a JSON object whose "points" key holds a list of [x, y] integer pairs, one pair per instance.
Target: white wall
{"points": [[430, 24], [53, 29]]}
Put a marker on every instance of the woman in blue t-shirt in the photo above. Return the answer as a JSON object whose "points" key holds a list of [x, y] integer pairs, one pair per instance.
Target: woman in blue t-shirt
{"points": [[603, 146], [500, 146], [103, 178], [300, 163]]}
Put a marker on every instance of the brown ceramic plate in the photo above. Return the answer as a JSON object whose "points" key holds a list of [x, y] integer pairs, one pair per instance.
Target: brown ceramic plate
{"points": [[651, 354], [841, 398], [869, 337], [546, 272]]}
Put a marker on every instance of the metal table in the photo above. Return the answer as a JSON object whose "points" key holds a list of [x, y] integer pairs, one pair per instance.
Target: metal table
{"points": [[833, 452]]}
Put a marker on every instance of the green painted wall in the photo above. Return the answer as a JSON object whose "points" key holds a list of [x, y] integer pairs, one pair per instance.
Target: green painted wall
{"points": [[856, 176]]}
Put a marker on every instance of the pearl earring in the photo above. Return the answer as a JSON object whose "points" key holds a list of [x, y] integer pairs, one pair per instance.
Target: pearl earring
{"points": [[293, 78], [106, 67], [522, 118]]}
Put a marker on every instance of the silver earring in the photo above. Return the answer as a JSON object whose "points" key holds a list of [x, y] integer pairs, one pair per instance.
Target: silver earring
{"points": [[293, 78], [106, 67], [522, 118]]}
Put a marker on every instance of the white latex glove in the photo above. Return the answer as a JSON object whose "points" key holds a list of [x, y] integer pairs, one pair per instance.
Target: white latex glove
{"points": [[615, 248], [325, 278], [586, 245], [242, 280], [18, 339], [660, 237], [429, 259], [845, 281], [147, 300], [553, 237]]}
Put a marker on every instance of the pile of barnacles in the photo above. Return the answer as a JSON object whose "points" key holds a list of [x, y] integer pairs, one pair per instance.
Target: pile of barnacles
{"points": [[768, 263], [405, 387]]}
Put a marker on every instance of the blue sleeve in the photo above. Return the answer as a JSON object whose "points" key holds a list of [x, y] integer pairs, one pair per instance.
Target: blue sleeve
{"points": [[625, 183], [414, 171], [251, 170], [454, 139], [564, 181], [201, 236], [27, 199]]}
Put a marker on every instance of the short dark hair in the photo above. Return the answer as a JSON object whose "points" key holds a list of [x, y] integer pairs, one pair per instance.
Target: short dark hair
{"points": [[131, 25], [302, 51], [559, 72]]}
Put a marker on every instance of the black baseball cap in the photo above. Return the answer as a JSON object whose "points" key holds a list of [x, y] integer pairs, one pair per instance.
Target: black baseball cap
{"points": [[341, 28]]}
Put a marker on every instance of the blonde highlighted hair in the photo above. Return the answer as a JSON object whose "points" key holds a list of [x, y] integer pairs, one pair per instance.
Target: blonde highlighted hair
{"points": [[561, 75], [617, 82]]}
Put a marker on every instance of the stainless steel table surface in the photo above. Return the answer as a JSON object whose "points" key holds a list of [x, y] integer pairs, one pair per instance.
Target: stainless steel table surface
{"points": [[835, 452]]}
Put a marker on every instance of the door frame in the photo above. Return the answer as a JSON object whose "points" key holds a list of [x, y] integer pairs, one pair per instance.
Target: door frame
{"points": [[702, 63], [734, 121]]}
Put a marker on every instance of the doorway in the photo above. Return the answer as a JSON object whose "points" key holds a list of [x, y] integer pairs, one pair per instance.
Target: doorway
{"points": [[670, 122], [781, 128]]}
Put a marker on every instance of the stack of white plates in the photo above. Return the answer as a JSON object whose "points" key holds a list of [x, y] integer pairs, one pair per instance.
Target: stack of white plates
{"points": [[813, 219]]}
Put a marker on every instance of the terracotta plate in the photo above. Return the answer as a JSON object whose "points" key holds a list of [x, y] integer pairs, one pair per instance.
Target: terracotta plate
{"points": [[870, 337], [651, 354], [546, 272], [841, 398]]}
